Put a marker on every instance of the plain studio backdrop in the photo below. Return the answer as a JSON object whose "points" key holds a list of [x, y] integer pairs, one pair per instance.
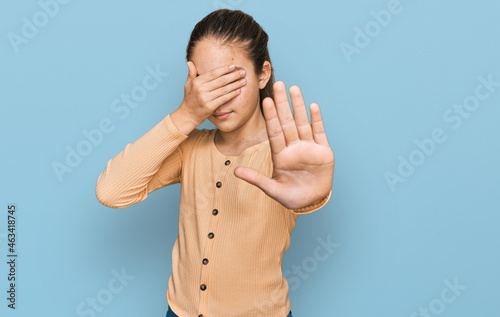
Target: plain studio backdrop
{"points": [[409, 91]]}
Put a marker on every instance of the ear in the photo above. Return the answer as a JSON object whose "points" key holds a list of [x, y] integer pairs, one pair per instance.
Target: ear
{"points": [[265, 75]]}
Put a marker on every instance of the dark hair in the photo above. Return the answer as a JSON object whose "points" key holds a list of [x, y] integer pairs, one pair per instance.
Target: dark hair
{"points": [[236, 27]]}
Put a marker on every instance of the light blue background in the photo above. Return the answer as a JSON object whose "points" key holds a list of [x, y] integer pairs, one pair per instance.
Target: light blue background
{"points": [[396, 248]]}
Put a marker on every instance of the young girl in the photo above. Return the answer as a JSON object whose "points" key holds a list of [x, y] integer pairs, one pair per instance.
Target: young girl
{"points": [[243, 185]]}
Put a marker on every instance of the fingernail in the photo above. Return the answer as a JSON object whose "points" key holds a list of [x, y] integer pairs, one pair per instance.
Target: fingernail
{"points": [[243, 81], [242, 73], [232, 67]]}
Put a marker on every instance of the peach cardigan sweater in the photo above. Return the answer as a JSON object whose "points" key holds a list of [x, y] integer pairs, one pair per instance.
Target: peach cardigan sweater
{"points": [[226, 260]]}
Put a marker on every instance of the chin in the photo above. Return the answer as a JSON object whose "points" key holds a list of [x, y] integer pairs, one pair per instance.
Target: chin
{"points": [[225, 127], [219, 125]]}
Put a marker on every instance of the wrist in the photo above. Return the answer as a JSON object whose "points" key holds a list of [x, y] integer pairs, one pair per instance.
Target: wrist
{"points": [[183, 121]]}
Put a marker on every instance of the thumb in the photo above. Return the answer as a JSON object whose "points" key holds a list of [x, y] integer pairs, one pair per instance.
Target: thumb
{"points": [[256, 178], [192, 70]]}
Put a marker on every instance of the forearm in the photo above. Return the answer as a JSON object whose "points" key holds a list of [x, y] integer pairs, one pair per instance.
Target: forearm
{"points": [[182, 119], [126, 177]]}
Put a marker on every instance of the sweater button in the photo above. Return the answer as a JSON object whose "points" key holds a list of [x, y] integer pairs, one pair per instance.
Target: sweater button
{"points": [[210, 235], [203, 287], [215, 212], [205, 261], [219, 184], [227, 162]]}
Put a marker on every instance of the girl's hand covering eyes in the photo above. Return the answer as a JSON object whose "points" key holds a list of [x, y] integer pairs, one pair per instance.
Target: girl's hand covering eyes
{"points": [[303, 160], [204, 93]]}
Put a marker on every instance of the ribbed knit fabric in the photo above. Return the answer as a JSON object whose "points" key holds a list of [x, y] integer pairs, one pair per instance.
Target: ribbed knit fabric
{"points": [[226, 260]]}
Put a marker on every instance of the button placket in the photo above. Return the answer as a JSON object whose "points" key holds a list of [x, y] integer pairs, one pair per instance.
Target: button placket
{"points": [[211, 233], [221, 176]]}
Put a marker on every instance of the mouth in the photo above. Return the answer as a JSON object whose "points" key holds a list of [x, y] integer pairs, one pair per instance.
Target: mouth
{"points": [[221, 115]]}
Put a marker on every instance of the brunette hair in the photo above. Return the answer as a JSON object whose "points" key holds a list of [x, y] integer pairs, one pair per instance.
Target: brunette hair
{"points": [[236, 28]]}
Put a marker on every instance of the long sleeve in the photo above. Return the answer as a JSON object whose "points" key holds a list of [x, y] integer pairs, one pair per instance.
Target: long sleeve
{"points": [[151, 162], [310, 209]]}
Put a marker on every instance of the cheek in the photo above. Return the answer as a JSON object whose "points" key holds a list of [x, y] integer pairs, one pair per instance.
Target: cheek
{"points": [[249, 95]]}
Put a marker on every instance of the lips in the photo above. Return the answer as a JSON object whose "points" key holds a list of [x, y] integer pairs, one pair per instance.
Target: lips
{"points": [[221, 115]]}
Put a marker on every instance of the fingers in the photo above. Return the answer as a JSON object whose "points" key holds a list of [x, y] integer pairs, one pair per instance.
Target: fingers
{"points": [[229, 88], [223, 94], [284, 113], [216, 73], [274, 131], [224, 98], [225, 79], [256, 178], [220, 84], [300, 114], [283, 128], [318, 128]]}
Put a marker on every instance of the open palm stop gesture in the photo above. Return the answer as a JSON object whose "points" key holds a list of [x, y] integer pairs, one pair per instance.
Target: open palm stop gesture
{"points": [[303, 160]]}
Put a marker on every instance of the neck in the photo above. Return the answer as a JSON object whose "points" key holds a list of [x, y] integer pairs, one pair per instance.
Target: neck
{"points": [[251, 132]]}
